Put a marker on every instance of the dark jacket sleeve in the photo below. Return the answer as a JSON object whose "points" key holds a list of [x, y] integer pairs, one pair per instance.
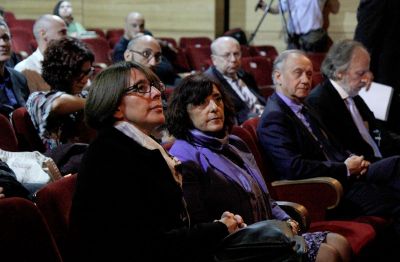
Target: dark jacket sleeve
{"points": [[11, 187], [292, 154]]}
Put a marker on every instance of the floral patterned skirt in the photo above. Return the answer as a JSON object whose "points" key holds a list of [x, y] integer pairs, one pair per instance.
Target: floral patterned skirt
{"points": [[313, 242]]}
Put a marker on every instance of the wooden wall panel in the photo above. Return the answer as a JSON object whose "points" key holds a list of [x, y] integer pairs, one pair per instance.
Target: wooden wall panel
{"points": [[176, 18]]}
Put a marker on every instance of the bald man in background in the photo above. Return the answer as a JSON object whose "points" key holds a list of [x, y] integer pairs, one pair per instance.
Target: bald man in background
{"points": [[46, 28], [146, 50]]}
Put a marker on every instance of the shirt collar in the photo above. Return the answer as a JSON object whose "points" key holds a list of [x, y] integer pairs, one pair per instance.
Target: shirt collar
{"points": [[343, 94], [294, 106]]}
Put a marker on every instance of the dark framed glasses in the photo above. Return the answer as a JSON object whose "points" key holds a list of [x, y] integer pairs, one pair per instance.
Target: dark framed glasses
{"points": [[145, 88], [148, 54]]}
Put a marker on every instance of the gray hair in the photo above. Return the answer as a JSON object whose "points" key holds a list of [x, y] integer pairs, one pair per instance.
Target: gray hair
{"points": [[280, 60], [338, 58], [219, 41]]}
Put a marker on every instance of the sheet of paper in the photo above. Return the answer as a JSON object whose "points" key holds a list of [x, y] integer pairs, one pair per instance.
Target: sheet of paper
{"points": [[378, 99]]}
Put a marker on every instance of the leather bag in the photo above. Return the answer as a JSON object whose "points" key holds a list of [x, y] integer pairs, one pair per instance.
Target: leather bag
{"points": [[268, 240]]}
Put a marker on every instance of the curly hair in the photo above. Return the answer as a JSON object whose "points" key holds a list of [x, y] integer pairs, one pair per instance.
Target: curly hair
{"points": [[194, 89], [62, 63]]}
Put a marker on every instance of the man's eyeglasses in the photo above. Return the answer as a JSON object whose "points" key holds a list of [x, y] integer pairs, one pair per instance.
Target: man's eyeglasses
{"points": [[236, 55], [148, 54], [144, 88]]}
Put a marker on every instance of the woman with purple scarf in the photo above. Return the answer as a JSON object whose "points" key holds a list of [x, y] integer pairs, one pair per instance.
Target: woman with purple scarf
{"points": [[219, 171]]}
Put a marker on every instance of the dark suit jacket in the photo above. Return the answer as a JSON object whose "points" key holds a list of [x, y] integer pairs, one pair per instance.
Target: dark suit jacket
{"points": [[241, 107], [128, 207], [290, 148], [334, 114], [20, 88]]}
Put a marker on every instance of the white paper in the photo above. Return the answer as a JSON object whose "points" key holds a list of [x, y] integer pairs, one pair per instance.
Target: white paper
{"points": [[378, 99]]}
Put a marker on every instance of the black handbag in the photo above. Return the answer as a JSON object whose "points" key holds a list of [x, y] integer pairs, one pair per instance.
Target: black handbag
{"points": [[268, 240]]}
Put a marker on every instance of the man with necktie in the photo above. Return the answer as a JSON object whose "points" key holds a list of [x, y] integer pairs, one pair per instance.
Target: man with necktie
{"points": [[343, 111], [240, 86], [297, 145]]}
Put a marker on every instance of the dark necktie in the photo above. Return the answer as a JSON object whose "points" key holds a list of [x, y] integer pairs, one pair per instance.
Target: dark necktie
{"points": [[326, 146]]}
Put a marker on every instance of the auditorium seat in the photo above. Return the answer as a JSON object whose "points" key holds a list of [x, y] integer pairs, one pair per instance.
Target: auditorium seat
{"points": [[8, 139], [199, 57], [316, 59], [25, 235], [260, 68], [21, 41], [196, 41], [27, 136], [54, 201], [264, 50], [114, 32], [101, 50]]}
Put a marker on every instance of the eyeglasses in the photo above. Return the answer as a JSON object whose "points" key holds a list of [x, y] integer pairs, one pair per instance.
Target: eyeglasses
{"points": [[87, 73], [144, 88], [148, 54], [236, 55]]}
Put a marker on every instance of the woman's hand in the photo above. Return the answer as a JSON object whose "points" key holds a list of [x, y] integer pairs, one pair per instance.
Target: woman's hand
{"points": [[232, 221], [294, 225]]}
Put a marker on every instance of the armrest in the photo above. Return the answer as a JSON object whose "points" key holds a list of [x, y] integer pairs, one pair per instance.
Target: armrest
{"points": [[297, 212], [316, 194]]}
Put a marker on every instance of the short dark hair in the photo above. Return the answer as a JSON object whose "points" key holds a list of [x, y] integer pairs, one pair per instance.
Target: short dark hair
{"points": [[107, 90], [57, 8], [62, 63], [193, 89]]}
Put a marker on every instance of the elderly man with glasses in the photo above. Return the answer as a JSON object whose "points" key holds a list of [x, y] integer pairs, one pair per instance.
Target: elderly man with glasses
{"points": [[240, 86], [146, 50]]}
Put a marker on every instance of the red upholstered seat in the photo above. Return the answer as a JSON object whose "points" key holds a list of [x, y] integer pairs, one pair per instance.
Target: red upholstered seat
{"points": [[8, 139], [101, 50], [199, 57], [54, 201], [196, 41], [27, 135], [264, 50], [260, 68], [25, 235], [359, 235], [114, 32]]}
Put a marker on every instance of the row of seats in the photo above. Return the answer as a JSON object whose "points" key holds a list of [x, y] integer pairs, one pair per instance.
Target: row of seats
{"points": [[362, 232]]}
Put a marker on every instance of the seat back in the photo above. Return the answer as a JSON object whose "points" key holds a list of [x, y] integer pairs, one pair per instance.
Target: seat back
{"points": [[27, 135], [316, 59], [101, 50], [8, 139], [196, 41], [269, 51], [199, 57], [21, 41], [25, 235], [54, 201], [260, 67], [114, 33]]}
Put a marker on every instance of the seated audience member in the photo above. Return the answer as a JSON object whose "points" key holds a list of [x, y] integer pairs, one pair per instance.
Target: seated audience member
{"points": [[14, 90], [134, 26], [239, 85], [297, 146], [146, 50], [343, 111], [57, 114], [219, 171], [124, 104], [46, 28], [63, 9], [9, 186]]}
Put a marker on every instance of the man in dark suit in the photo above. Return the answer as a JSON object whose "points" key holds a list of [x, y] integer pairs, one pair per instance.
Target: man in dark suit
{"points": [[13, 86], [239, 85], [346, 67], [297, 145]]}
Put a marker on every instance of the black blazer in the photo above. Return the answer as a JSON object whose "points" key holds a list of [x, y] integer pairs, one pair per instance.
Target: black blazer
{"points": [[290, 148], [20, 88], [241, 107], [128, 207], [333, 111]]}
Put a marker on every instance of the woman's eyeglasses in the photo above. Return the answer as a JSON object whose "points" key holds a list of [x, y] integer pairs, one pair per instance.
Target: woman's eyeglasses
{"points": [[144, 88], [87, 73], [148, 54]]}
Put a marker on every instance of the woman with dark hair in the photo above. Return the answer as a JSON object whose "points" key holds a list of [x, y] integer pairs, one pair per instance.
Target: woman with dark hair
{"points": [[63, 9], [67, 67], [219, 172], [144, 199]]}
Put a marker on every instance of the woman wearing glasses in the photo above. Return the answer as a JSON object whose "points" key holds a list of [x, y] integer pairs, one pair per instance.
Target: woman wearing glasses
{"points": [[128, 203], [67, 67]]}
